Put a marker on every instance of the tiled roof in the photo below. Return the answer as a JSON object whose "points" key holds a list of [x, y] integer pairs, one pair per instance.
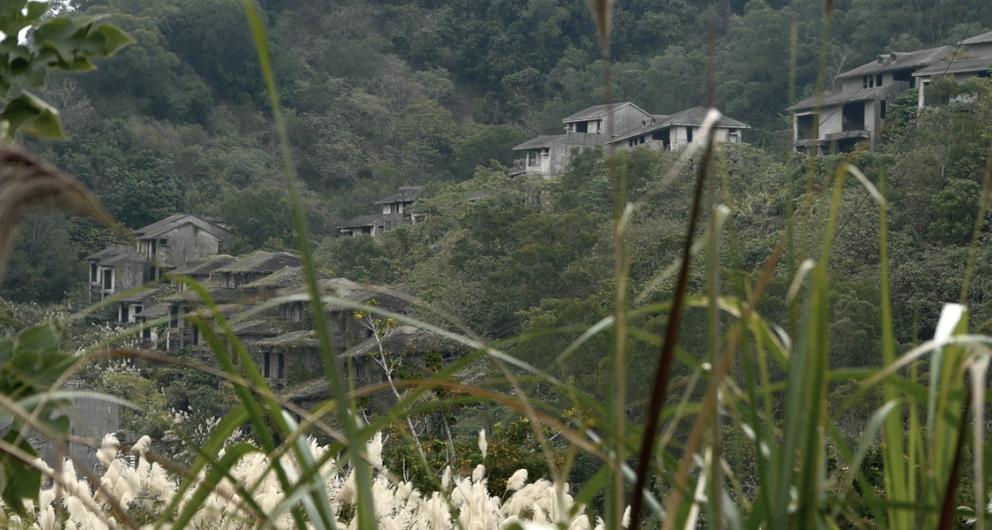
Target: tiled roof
{"points": [[900, 61], [164, 226], [598, 111], [960, 66], [692, 117], [405, 194], [979, 39], [204, 267], [261, 261]]}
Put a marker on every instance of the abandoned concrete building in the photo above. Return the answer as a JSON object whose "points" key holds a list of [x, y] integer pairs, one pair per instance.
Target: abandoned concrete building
{"points": [[262, 294], [630, 127], [395, 211], [179, 239], [855, 113]]}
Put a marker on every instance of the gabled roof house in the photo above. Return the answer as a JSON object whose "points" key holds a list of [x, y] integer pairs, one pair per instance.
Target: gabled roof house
{"points": [[622, 125]]}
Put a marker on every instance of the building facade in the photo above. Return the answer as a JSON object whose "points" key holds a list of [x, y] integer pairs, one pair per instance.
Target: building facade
{"points": [[621, 126], [854, 114]]}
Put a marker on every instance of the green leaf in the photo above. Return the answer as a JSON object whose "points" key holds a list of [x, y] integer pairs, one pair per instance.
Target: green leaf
{"points": [[21, 481], [112, 39], [34, 116]]}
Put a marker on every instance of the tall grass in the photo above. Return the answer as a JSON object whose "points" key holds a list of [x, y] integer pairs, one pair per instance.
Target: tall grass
{"points": [[669, 466]]}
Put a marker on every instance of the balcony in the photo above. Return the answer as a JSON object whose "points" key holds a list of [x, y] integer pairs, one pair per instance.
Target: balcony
{"points": [[518, 167]]}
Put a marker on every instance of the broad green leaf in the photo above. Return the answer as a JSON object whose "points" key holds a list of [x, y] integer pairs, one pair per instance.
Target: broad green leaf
{"points": [[33, 115]]}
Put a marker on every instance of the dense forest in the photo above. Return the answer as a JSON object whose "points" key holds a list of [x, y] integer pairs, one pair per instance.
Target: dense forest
{"points": [[388, 93], [560, 274]]}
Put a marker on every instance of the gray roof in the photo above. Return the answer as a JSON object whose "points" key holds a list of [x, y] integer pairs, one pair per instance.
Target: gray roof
{"points": [[108, 252], [142, 295], [372, 220], [900, 61], [598, 111], [979, 39], [544, 140], [164, 226], [261, 261], [846, 96], [693, 117], [561, 139], [405, 194], [696, 115], [257, 328], [959, 66], [305, 338], [127, 254], [203, 267], [153, 311], [287, 276]]}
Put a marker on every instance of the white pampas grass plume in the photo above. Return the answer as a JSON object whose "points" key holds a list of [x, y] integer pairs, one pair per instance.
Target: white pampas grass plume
{"points": [[516, 480], [108, 449], [483, 444], [478, 473], [446, 479], [141, 446], [374, 449], [625, 522]]}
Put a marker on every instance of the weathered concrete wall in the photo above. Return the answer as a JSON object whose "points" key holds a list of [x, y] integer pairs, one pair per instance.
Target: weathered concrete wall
{"points": [[185, 244], [128, 275]]}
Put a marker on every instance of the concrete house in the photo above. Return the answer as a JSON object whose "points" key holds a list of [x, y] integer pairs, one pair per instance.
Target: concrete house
{"points": [[973, 59], [853, 115], [251, 267], [396, 211], [114, 270], [179, 240], [672, 133], [548, 156]]}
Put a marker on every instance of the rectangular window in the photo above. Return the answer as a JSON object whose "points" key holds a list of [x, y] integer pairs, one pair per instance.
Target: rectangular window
{"points": [[196, 336], [173, 316], [881, 110], [688, 132], [108, 279], [94, 275], [582, 127], [265, 364], [878, 80], [123, 313], [864, 82], [281, 366]]}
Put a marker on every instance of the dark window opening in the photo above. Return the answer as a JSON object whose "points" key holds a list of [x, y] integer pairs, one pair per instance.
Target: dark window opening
{"points": [[805, 125], [664, 136], [124, 313], [196, 335], [108, 279], [146, 333], [94, 275], [266, 357], [854, 116], [881, 110], [281, 366], [904, 75], [163, 242], [864, 82], [689, 134], [173, 316], [878, 80], [582, 127]]}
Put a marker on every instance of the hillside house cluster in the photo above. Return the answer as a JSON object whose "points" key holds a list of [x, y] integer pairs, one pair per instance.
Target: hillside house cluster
{"points": [[618, 125], [855, 113], [395, 210], [262, 294]]}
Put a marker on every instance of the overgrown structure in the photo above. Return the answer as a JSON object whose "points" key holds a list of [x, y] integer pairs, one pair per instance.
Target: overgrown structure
{"points": [[621, 125], [855, 113]]}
